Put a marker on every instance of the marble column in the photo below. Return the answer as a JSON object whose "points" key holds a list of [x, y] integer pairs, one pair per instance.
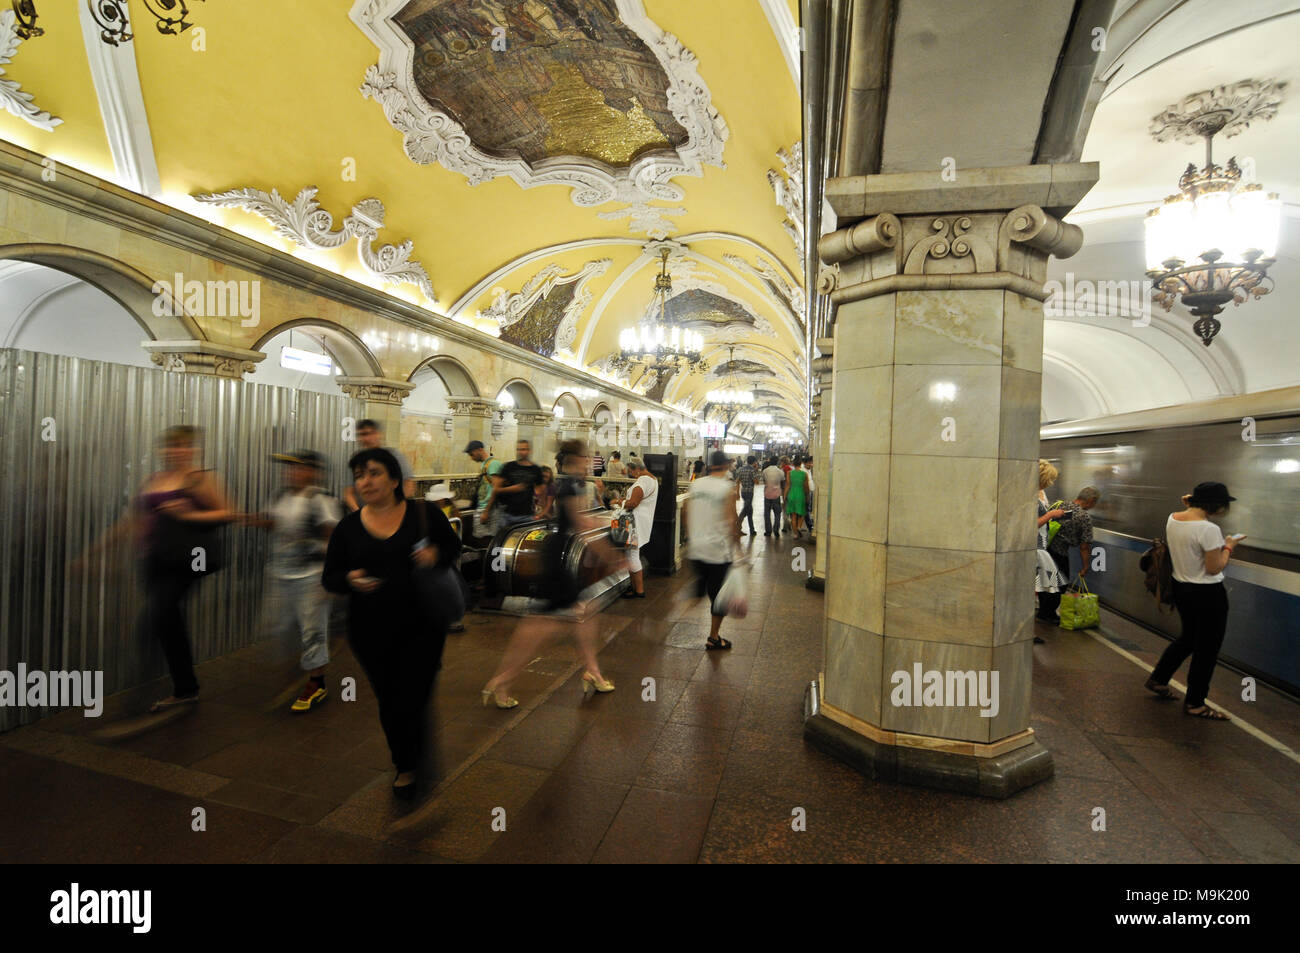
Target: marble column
{"points": [[534, 426], [383, 402], [823, 375], [471, 420], [937, 363]]}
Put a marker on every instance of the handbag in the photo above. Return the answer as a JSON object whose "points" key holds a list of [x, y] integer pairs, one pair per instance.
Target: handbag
{"points": [[1080, 609], [441, 594], [622, 528]]}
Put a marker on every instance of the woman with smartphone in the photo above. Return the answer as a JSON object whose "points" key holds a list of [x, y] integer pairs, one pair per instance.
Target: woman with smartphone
{"points": [[1199, 553], [371, 557]]}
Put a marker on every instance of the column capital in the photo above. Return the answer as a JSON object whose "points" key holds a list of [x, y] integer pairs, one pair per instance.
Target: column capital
{"points": [[204, 357], [472, 406], [379, 390], [533, 418]]}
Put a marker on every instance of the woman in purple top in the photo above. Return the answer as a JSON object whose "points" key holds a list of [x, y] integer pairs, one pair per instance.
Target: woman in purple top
{"points": [[175, 507]]}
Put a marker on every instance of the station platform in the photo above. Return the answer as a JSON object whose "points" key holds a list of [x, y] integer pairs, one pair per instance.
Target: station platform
{"points": [[711, 770]]}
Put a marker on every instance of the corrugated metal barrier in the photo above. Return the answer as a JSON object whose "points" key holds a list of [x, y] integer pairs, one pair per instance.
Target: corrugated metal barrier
{"points": [[77, 440]]}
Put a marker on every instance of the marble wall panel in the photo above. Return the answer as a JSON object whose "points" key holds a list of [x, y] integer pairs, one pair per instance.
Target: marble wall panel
{"points": [[1013, 597], [1022, 332], [948, 410], [863, 401], [943, 502], [1020, 414], [948, 327], [1017, 505], [855, 583], [939, 595], [861, 511], [945, 719], [1015, 665], [853, 658], [864, 334]]}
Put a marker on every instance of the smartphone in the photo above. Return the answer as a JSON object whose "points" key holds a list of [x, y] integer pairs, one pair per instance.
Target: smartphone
{"points": [[1236, 536], [369, 579]]}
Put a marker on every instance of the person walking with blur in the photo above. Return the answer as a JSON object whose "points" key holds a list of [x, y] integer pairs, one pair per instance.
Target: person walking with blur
{"points": [[746, 477], [640, 502], [562, 587], [773, 487], [301, 520], [1199, 553], [1048, 577], [372, 557], [489, 467], [370, 434], [713, 535], [513, 488], [178, 510]]}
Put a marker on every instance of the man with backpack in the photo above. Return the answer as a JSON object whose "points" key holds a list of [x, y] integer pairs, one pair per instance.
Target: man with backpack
{"points": [[300, 520]]}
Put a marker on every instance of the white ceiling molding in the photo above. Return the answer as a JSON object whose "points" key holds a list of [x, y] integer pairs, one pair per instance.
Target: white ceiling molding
{"points": [[767, 276], [432, 136], [787, 34], [308, 225], [13, 98], [787, 187], [508, 309], [121, 104], [1068, 369], [649, 220]]}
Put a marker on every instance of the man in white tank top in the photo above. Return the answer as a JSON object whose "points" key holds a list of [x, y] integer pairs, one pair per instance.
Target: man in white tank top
{"points": [[713, 534]]}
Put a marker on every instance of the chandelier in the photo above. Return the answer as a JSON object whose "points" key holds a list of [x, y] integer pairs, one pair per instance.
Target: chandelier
{"points": [[1215, 240], [662, 345], [731, 398]]}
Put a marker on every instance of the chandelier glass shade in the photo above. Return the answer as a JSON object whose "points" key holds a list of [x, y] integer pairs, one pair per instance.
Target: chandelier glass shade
{"points": [[1213, 242], [754, 417], [733, 397], [660, 344]]}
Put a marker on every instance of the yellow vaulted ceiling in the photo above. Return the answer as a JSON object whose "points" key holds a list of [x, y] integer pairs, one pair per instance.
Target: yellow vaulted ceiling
{"points": [[272, 101]]}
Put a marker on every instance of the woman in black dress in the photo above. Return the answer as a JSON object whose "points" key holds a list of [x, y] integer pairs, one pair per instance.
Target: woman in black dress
{"points": [[371, 557]]}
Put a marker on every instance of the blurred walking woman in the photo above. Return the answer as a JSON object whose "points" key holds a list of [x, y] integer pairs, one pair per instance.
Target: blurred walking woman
{"points": [[371, 557], [1198, 553], [178, 512]]}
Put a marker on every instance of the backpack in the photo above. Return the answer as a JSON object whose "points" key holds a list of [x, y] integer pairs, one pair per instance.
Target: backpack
{"points": [[1159, 569], [1054, 526]]}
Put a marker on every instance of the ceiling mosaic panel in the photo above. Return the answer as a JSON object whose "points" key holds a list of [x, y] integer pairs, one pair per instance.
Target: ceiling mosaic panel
{"points": [[561, 79], [536, 330], [698, 308]]}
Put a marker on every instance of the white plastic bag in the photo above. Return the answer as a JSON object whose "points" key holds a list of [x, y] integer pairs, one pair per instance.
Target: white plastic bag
{"points": [[733, 597]]}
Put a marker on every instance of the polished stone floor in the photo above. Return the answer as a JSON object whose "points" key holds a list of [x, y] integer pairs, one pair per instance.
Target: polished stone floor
{"points": [[712, 769]]}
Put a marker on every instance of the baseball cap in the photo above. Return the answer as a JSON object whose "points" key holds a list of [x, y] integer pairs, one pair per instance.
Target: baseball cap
{"points": [[306, 458], [474, 445]]}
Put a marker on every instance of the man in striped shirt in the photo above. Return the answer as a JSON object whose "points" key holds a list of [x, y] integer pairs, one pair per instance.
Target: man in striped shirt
{"points": [[746, 476]]}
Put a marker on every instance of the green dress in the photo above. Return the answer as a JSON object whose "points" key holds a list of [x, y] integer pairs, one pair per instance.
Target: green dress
{"points": [[796, 500]]}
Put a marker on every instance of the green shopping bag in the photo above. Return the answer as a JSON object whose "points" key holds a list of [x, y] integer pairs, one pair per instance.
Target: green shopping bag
{"points": [[1080, 609]]}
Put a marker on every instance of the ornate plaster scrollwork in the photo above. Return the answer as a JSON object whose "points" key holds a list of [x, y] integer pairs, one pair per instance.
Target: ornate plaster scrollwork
{"points": [[507, 309], [828, 277], [650, 220], [789, 294], [431, 135], [1228, 109], [789, 192], [13, 98], [376, 389], [306, 224], [1030, 225]]}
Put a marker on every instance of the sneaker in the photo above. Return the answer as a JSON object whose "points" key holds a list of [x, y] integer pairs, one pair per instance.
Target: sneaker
{"points": [[312, 694]]}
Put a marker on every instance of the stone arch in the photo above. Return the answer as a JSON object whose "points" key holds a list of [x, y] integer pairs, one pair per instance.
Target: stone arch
{"points": [[347, 350], [455, 376], [132, 289], [570, 405], [525, 398]]}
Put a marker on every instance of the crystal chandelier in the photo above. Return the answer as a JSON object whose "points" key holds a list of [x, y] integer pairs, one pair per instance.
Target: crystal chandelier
{"points": [[1214, 241], [662, 345], [732, 397]]}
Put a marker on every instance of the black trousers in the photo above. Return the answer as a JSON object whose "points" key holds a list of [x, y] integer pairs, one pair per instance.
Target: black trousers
{"points": [[772, 509], [1203, 608], [747, 510], [401, 666], [163, 619]]}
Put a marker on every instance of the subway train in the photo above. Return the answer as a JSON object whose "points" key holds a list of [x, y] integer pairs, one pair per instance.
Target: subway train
{"points": [[1144, 462]]}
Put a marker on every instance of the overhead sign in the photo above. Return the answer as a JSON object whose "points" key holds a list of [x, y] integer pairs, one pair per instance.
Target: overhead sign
{"points": [[296, 359]]}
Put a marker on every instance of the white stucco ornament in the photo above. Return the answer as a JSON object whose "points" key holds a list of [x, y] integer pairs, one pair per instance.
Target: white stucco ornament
{"points": [[13, 98]]}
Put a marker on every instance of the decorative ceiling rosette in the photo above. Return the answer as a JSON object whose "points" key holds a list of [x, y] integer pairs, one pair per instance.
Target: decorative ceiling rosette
{"points": [[602, 100]]}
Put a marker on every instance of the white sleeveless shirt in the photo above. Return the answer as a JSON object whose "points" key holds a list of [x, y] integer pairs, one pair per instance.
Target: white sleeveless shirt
{"points": [[710, 516]]}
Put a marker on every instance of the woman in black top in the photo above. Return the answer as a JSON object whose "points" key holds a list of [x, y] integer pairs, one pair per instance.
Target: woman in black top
{"points": [[371, 555]]}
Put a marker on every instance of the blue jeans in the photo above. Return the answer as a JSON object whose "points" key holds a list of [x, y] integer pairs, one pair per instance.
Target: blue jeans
{"points": [[772, 508]]}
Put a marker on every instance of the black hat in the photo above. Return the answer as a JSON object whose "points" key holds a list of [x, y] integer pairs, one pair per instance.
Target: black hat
{"points": [[719, 459], [306, 458], [1213, 493], [474, 445]]}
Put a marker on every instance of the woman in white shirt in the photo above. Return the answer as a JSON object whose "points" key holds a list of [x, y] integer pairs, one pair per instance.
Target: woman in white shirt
{"points": [[640, 502], [1198, 553]]}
